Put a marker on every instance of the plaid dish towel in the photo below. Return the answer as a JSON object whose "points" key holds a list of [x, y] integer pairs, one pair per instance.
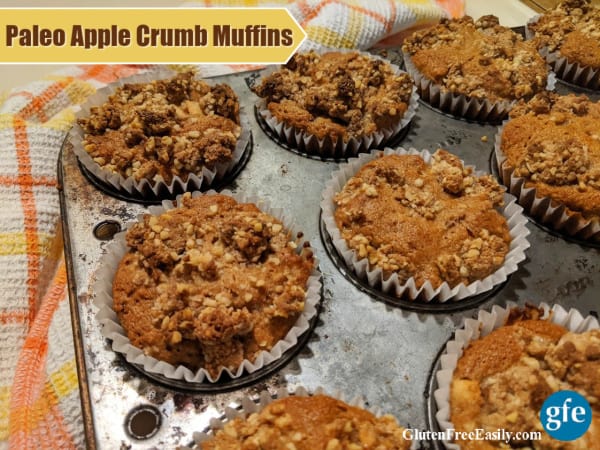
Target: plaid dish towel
{"points": [[39, 397]]}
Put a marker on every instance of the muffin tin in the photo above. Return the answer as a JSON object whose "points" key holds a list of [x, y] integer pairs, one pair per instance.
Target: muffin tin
{"points": [[363, 344]]}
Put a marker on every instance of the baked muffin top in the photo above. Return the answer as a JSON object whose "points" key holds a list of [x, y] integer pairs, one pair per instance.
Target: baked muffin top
{"points": [[502, 380], [310, 423], [340, 95], [573, 29], [553, 141], [435, 222], [209, 284], [164, 128], [479, 59]]}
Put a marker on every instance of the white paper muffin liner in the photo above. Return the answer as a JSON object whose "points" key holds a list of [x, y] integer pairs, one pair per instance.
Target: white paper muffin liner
{"points": [[569, 71], [249, 406], [112, 329], [374, 275], [150, 188], [545, 210], [327, 147], [485, 323], [461, 105]]}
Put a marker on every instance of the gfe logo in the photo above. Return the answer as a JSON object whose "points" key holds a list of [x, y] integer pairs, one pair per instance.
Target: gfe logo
{"points": [[566, 415]]}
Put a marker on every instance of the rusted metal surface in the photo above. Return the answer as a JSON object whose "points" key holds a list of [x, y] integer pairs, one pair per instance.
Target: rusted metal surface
{"points": [[361, 345]]}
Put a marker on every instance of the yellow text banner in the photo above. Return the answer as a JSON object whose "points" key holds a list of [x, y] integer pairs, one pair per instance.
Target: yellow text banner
{"points": [[148, 35]]}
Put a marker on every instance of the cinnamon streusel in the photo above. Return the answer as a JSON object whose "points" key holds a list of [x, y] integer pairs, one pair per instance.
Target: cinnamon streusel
{"points": [[501, 381], [210, 283], [336, 95], [553, 142], [432, 222], [479, 59], [319, 422], [163, 129], [572, 29]]}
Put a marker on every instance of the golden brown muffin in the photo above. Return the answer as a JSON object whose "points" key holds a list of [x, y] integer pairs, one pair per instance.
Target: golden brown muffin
{"points": [[553, 142], [479, 59], [164, 128], [502, 380], [435, 222], [310, 423], [572, 28], [209, 284], [339, 95]]}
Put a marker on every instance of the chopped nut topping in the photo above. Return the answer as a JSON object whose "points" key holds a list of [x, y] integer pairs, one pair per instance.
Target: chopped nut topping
{"points": [[426, 221], [209, 301], [340, 95], [480, 59], [573, 29], [164, 128], [550, 142], [310, 423], [502, 380]]}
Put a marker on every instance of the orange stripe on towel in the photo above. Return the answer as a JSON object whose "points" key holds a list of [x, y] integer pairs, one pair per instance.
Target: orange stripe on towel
{"points": [[12, 317], [29, 213], [12, 180], [34, 410], [36, 106], [109, 73], [387, 22]]}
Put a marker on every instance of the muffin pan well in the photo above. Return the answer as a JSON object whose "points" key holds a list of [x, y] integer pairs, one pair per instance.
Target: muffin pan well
{"points": [[382, 351]]}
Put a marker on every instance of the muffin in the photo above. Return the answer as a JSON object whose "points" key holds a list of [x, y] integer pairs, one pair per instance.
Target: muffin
{"points": [[211, 285], [337, 103], [310, 423], [568, 36], [166, 131], [423, 222], [501, 379], [550, 149], [474, 69]]}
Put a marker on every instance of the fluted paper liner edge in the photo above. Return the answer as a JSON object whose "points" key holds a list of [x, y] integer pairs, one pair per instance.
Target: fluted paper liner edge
{"points": [[147, 187], [472, 330], [374, 277], [544, 209], [248, 405], [461, 105], [327, 148], [112, 329], [565, 70]]}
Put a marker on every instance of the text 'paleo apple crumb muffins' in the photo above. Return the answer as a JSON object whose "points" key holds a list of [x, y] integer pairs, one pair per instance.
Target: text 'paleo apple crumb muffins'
{"points": [[210, 287], [336, 104], [474, 69]]}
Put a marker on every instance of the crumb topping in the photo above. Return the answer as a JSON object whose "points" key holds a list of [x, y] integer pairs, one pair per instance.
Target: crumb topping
{"points": [[480, 59], [310, 423], [433, 222], [573, 29], [340, 95], [553, 141], [164, 128], [502, 380], [210, 284]]}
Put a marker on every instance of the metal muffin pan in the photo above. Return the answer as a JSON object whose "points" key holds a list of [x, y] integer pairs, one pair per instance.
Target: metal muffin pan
{"points": [[363, 343]]}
